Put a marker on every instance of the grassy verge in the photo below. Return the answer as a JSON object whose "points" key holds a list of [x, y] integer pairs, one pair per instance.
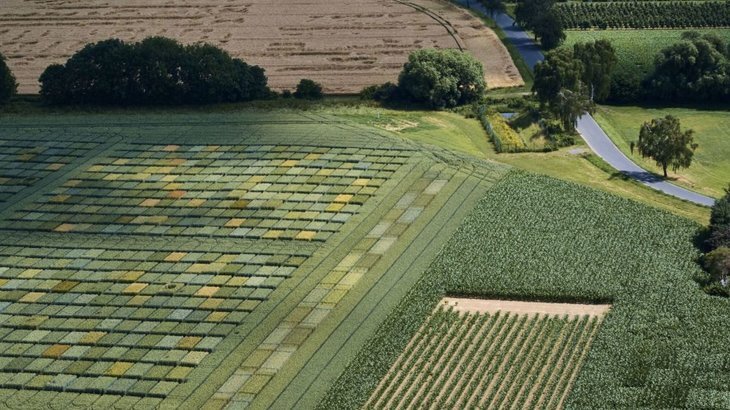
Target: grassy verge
{"points": [[455, 132], [710, 170]]}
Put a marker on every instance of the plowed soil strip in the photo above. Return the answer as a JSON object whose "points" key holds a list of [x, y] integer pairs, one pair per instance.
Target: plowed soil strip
{"points": [[520, 307]]}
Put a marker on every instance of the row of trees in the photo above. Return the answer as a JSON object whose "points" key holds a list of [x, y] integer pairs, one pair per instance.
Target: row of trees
{"points": [[568, 81], [156, 70], [8, 86]]}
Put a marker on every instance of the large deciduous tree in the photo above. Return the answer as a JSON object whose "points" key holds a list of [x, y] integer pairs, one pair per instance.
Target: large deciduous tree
{"points": [[599, 61], [662, 140], [442, 78], [540, 17], [494, 6], [8, 86]]}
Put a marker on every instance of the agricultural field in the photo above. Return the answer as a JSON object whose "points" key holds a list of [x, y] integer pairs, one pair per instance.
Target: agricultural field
{"points": [[182, 260], [343, 45], [472, 354], [636, 49], [644, 14], [710, 169], [534, 238]]}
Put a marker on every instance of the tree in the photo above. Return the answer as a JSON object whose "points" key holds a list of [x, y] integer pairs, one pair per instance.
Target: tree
{"points": [[156, 70], [528, 12], [599, 61], [549, 29], [663, 141], [8, 86], [717, 263], [720, 222], [494, 6], [442, 78], [308, 90], [696, 68], [560, 70], [571, 105]]}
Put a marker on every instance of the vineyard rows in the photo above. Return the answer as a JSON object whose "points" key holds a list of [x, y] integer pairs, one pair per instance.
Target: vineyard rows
{"points": [[644, 14], [473, 360]]}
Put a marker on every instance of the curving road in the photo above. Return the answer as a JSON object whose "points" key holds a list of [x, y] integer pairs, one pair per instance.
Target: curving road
{"points": [[587, 127]]}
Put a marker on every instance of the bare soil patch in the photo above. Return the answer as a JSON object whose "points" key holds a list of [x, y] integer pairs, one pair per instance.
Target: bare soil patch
{"points": [[345, 45], [494, 305]]}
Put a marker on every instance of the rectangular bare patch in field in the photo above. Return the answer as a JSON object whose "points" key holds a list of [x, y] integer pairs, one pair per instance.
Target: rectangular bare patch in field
{"points": [[491, 354]]}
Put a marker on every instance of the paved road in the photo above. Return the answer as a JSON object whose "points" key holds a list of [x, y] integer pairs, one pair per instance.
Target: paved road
{"points": [[588, 129]]}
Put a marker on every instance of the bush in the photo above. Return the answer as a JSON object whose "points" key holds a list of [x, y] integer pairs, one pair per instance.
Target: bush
{"points": [[308, 90], [719, 235], [380, 92], [442, 78], [8, 86], [156, 70]]}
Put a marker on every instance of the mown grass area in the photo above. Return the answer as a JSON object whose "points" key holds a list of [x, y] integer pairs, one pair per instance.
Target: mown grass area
{"points": [[710, 170], [454, 131], [662, 345], [636, 49]]}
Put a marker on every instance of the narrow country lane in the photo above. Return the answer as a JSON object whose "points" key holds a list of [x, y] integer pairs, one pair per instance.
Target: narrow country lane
{"points": [[588, 129]]}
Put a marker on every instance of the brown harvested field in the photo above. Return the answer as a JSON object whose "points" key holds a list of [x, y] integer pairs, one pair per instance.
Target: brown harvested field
{"points": [[345, 45]]}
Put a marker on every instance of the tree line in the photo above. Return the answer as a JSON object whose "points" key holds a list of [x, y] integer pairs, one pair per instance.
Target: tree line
{"points": [[154, 71]]}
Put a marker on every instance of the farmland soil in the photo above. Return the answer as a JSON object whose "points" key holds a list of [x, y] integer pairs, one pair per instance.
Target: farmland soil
{"points": [[345, 45]]}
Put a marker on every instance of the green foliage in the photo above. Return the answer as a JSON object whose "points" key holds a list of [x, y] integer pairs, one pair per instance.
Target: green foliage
{"points": [[156, 70], [663, 336], [558, 85], [719, 235], [644, 14], [717, 264], [541, 17], [442, 78], [663, 141], [599, 61], [697, 68], [308, 90], [380, 92], [8, 86]]}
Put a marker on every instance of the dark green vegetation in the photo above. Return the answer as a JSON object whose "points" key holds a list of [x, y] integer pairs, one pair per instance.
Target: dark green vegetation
{"points": [[442, 78], [717, 244], [8, 85], [662, 345], [568, 81], [663, 141], [667, 66], [156, 70], [542, 18], [644, 14], [308, 90], [636, 51]]}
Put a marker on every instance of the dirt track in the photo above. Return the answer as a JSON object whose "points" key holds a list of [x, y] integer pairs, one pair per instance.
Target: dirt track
{"points": [[494, 305], [345, 45]]}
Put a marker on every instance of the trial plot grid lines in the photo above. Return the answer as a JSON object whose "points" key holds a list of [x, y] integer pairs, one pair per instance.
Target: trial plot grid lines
{"points": [[253, 192]]}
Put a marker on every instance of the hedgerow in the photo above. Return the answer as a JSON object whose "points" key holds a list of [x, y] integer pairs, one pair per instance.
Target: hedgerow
{"points": [[536, 238], [644, 14]]}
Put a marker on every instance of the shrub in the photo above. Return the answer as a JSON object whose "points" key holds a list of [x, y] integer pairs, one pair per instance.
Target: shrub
{"points": [[442, 78], [156, 70], [8, 86], [308, 90], [719, 234], [380, 92]]}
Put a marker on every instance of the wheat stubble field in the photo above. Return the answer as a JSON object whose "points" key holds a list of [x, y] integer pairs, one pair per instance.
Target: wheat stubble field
{"points": [[344, 45]]}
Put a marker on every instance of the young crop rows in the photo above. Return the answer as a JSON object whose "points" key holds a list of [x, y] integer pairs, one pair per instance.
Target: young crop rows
{"points": [[473, 360], [644, 14]]}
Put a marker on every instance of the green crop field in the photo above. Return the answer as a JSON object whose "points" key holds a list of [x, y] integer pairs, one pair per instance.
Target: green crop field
{"points": [[710, 169], [663, 344], [275, 259], [482, 360], [636, 49]]}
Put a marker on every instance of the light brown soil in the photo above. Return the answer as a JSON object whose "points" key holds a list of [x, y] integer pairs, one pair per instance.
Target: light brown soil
{"points": [[493, 305], [345, 45]]}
